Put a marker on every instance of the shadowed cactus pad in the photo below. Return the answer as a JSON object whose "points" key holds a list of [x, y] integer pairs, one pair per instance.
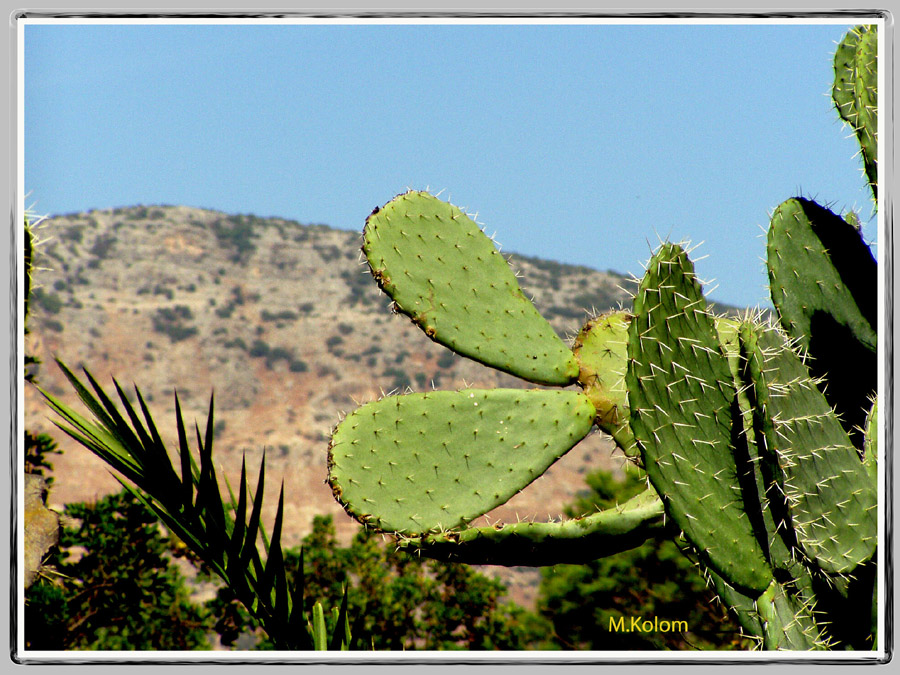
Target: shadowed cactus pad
{"points": [[830, 497], [433, 461], [578, 540], [824, 284], [443, 272]]}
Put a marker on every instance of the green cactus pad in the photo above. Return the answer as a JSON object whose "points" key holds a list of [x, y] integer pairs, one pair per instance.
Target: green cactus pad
{"points": [[445, 273], [855, 92], [432, 461], [741, 605], [787, 620], [830, 498], [601, 350], [780, 537], [824, 282], [870, 447], [682, 394], [575, 542]]}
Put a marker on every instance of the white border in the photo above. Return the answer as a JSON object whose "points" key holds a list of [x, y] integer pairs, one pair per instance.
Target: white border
{"points": [[455, 657]]}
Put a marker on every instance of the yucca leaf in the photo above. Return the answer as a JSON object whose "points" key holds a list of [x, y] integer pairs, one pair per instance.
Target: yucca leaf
{"points": [[173, 524], [268, 577], [250, 552], [210, 500], [87, 398], [95, 439], [145, 442], [298, 609], [187, 478], [240, 514], [191, 506], [340, 639], [115, 423], [275, 573], [319, 634]]}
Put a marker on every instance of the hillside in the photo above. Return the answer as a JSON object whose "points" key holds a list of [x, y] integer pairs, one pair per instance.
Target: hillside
{"points": [[282, 322]]}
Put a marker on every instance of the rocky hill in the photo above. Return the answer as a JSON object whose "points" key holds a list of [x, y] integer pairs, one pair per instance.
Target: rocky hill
{"points": [[282, 321]]}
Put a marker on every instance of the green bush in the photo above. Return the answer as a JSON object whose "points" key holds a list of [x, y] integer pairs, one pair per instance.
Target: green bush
{"points": [[115, 586], [173, 322]]}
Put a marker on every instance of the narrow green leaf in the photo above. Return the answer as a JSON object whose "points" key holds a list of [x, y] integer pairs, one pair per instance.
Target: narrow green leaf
{"points": [[250, 552], [298, 608], [184, 452], [340, 639], [320, 635]]}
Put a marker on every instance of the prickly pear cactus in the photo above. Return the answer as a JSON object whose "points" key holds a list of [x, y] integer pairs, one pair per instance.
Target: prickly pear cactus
{"points": [[823, 281], [424, 465], [759, 440], [682, 400]]}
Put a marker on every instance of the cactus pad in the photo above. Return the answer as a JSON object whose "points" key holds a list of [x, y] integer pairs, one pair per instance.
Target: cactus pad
{"points": [[682, 397], [824, 282], [433, 461], [870, 447], [787, 621], [831, 500], [601, 350], [855, 93], [446, 275], [576, 541]]}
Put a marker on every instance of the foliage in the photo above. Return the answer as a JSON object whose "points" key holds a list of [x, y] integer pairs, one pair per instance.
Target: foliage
{"points": [[37, 447], [398, 601], [111, 584], [173, 321], [221, 534]]}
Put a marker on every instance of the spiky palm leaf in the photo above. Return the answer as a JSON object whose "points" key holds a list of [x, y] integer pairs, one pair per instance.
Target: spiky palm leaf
{"points": [[190, 504]]}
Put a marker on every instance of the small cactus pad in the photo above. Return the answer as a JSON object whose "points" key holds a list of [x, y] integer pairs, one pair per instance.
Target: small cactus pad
{"points": [[780, 539], [433, 461], [574, 542], [787, 620], [831, 500], [870, 448], [443, 272], [742, 606], [682, 393], [601, 350], [855, 92], [824, 282]]}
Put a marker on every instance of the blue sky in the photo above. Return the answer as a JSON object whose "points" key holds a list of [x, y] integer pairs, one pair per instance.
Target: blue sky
{"points": [[578, 143]]}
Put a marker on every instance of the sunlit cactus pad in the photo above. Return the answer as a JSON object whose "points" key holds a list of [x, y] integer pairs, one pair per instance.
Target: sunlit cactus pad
{"points": [[601, 350], [855, 92], [682, 398], [446, 274], [433, 461]]}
